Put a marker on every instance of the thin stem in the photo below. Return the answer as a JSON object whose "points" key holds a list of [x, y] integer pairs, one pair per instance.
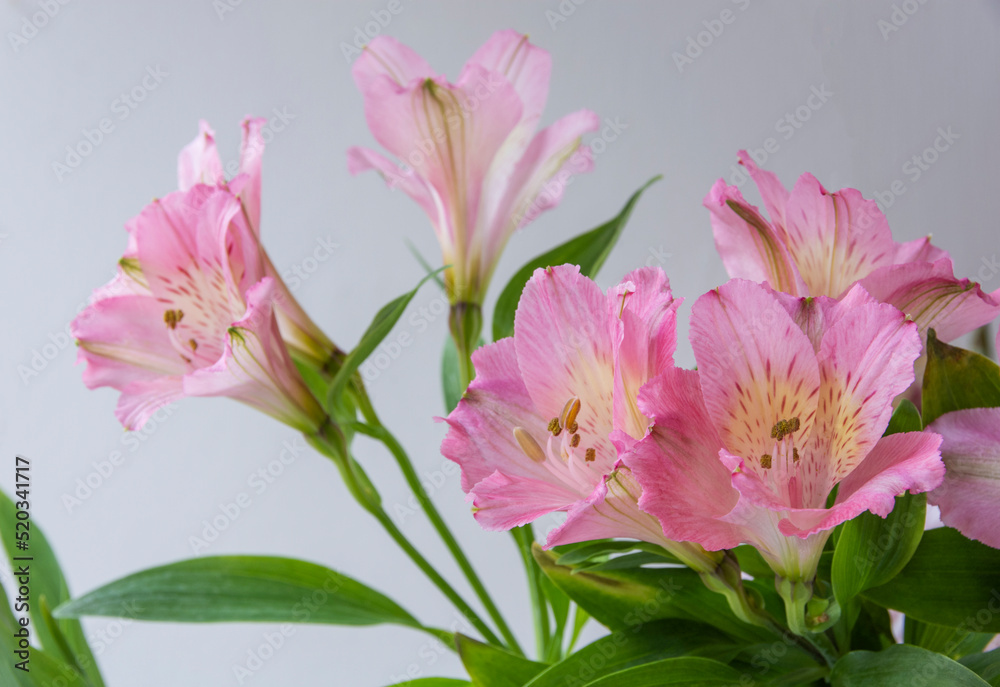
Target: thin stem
{"points": [[362, 492], [378, 431], [524, 536]]}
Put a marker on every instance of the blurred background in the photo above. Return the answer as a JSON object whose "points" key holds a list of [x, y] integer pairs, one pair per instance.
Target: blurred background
{"points": [[858, 93]]}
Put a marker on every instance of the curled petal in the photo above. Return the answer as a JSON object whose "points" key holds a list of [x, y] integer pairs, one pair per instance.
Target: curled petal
{"points": [[385, 57], [934, 298]]}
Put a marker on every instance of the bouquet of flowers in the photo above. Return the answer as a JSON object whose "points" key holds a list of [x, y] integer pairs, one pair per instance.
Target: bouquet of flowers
{"points": [[757, 520]]}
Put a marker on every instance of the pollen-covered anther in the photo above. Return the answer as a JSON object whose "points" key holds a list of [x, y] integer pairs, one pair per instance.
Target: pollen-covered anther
{"points": [[193, 344], [590, 455], [765, 461], [575, 441], [783, 428], [173, 317], [795, 455], [569, 413], [528, 445], [554, 426]]}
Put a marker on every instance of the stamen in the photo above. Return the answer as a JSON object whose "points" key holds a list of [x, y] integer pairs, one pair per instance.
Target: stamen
{"points": [[569, 413], [529, 445], [590, 455], [173, 317], [795, 455], [765, 461], [784, 428], [193, 344], [554, 426], [573, 428], [575, 441]]}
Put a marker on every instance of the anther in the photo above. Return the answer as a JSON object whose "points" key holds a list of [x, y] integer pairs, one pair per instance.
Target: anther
{"points": [[590, 455], [795, 455], [765, 461], [193, 344], [173, 317], [554, 426], [569, 413], [575, 441], [529, 445]]}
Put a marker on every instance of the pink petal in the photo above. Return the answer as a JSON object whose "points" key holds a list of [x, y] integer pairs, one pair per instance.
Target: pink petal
{"points": [[385, 57], [536, 181], [142, 398], [970, 494], [199, 162], [612, 511], [918, 250], [251, 153], [931, 295], [866, 359], [898, 463], [502, 502], [757, 369], [835, 238], [256, 369], [527, 67], [480, 436], [124, 338], [773, 192], [563, 344], [643, 313], [749, 246], [684, 485]]}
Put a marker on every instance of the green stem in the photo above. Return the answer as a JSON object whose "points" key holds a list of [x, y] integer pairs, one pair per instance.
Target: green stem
{"points": [[377, 430], [465, 321], [360, 487], [524, 536]]}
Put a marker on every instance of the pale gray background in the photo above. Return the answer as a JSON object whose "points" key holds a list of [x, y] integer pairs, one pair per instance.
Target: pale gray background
{"points": [[59, 240]]}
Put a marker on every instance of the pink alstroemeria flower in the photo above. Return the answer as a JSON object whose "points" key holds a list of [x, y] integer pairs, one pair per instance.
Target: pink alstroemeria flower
{"points": [[791, 398], [540, 427], [199, 163], [970, 496], [820, 244], [191, 313], [467, 151]]}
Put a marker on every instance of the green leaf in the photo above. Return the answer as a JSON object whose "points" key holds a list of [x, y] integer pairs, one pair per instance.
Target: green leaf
{"points": [[241, 589], [627, 599], [986, 666], [489, 666], [64, 640], [679, 672], [906, 418], [950, 580], [950, 641], [956, 379], [625, 649], [901, 665], [872, 550], [383, 322], [434, 682], [588, 250]]}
